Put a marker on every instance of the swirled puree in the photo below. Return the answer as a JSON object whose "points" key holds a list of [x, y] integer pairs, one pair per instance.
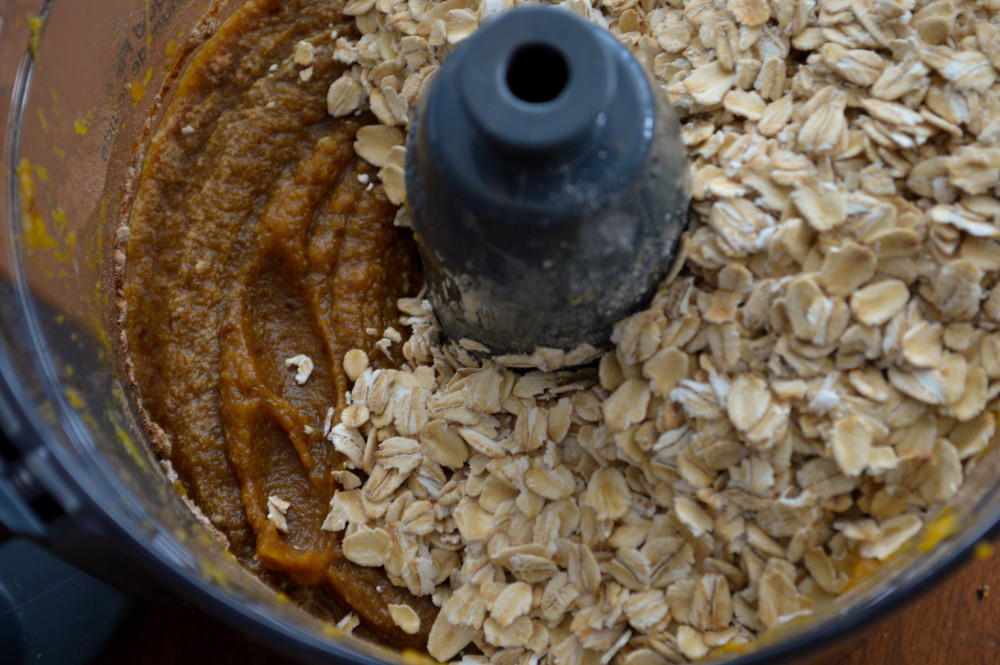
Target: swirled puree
{"points": [[808, 387]]}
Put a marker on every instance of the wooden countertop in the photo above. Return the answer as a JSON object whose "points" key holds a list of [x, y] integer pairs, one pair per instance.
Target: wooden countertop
{"points": [[956, 622]]}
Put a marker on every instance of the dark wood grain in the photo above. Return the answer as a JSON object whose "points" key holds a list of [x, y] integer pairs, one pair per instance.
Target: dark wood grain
{"points": [[957, 622]]}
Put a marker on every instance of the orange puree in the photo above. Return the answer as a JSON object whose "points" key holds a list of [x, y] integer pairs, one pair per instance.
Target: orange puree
{"points": [[253, 240]]}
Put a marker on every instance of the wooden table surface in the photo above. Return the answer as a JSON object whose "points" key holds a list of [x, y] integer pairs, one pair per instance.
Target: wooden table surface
{"points": [[956, 622]]}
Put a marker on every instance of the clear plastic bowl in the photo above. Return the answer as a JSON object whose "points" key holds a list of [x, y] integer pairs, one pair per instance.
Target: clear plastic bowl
{"points": [[79, 85]]}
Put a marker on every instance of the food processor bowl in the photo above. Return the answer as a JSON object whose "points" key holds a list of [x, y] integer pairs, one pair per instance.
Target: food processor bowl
{"points": [[80, 89]]}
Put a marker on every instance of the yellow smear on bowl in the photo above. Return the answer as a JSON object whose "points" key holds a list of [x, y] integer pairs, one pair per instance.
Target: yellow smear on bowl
{"points": [[942, 527]]}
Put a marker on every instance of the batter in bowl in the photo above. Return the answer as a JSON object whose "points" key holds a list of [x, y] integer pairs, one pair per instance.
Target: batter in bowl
{"points": [[257, 237]]}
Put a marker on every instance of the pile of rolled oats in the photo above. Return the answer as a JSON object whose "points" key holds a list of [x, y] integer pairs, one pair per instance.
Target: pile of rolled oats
{"points": [[801, 395]]}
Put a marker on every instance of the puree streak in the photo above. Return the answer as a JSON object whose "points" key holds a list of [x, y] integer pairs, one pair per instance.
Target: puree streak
{"points": [[252, 241]]}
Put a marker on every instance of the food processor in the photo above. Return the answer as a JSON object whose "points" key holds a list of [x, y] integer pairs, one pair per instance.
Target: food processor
{"points": [[80, 89]]}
